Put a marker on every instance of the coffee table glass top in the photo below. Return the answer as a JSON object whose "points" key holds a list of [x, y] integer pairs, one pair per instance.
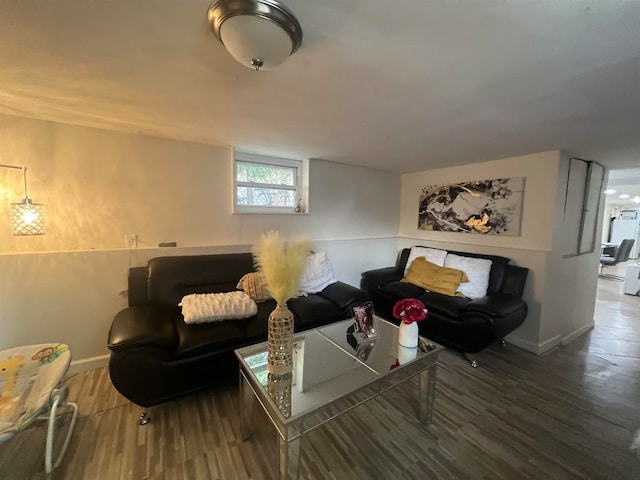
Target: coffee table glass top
{"points": [[383, 351], [329, 364]]}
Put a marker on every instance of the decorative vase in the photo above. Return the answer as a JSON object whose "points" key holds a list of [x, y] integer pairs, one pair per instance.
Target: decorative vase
{"points": [[280, 341], [406, 354], [279, 388], [408, 335]]}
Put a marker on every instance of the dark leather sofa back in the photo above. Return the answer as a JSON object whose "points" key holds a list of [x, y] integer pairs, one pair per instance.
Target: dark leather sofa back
{"points": [[171, 278], [497, 276]]}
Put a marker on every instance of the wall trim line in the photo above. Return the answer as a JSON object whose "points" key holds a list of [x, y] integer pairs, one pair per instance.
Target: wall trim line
{"points": [[90, 363]]}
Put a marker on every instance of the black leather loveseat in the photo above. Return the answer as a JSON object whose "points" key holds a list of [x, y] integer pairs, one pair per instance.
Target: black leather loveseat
{"points": [[468, 325], [156, 356]]}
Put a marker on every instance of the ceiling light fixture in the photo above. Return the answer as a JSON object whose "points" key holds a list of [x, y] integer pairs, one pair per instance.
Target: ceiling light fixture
{"points": [[636, 199], [609, 191], [623, 196], [260, 34], [27, 218]]}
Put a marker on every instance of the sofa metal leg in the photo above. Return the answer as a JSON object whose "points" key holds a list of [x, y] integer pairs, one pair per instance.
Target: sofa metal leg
{"points": [[143, 419], [472, 361], [503, 343]]}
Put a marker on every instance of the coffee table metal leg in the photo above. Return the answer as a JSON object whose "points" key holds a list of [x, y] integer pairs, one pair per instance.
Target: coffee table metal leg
{"points": [[289, 457], [427, 393], [247, 400]]}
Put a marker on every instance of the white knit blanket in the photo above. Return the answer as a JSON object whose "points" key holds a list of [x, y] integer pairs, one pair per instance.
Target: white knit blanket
{"points": [[214, 307]]}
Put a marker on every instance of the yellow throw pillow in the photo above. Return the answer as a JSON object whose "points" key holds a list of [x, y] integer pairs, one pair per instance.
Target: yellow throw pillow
{"points": [[254, 285], [434, 278]]}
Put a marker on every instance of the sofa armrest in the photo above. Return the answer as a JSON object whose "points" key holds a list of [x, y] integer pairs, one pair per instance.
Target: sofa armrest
{"points": [[516, 277], [344, 295], [381, 276], [137, 281], [143, 326], [496, 305]]}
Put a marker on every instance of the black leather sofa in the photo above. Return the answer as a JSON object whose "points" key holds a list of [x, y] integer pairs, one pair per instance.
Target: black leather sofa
{"points": [[461, 323], [156, 356]]}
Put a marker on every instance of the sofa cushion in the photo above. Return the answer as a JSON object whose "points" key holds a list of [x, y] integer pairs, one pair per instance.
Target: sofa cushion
{"points": [[477, 271], [314, 310], [255, 328], [201, 338], [344, 295], [398, 290], [433, 255], [434, 278], [444, 304]]}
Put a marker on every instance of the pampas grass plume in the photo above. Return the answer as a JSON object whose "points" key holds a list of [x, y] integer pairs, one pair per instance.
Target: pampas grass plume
{"points": [[282, 263]]}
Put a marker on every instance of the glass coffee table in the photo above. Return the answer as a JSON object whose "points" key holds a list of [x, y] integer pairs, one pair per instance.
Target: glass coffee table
{"points": [[332, 373]]}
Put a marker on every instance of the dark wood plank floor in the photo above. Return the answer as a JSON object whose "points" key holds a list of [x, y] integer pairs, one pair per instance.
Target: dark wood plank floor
{"points": [[570, 414]]}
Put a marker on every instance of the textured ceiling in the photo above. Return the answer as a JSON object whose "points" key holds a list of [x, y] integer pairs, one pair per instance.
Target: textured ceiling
{"points": [[401, 86]]}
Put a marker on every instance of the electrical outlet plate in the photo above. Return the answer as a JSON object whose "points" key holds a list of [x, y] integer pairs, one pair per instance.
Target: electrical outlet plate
{"points": [[131, 241]]}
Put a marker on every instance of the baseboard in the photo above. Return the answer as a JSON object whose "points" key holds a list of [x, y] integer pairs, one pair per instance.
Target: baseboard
{"points": [[537, 348], [540, 348], [88, 364], [576, 333], [549, 344]]}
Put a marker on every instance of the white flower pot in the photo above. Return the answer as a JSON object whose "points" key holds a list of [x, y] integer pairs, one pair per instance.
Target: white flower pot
{"points": [[408, 335]]}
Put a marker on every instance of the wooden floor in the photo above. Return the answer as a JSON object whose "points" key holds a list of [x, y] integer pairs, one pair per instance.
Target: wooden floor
{"points": [[570, 414]]}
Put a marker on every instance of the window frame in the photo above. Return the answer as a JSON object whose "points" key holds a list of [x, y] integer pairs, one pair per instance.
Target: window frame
{"points": [[299, 189], [583, 192]]}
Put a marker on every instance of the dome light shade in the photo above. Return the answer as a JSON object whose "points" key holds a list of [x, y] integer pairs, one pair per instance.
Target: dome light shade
{"points": [[260, 34]]}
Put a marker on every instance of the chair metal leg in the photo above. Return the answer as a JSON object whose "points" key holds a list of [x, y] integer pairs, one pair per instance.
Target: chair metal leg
{"points": [[59, 400], [609, 276]]}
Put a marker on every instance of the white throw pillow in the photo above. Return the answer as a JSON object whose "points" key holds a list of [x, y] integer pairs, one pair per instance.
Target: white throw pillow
{"points": [[476, 269], [432, 255], [213, 307], [318, 274]]}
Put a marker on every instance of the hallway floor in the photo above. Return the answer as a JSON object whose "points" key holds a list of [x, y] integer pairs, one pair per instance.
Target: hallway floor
{"points": [[616, 336]]}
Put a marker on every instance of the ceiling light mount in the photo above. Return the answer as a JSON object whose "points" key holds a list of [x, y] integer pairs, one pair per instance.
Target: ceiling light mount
{"points": [[260, 34]]}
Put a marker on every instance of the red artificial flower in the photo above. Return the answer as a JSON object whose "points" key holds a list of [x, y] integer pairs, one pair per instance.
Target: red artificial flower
{"points": [[410, 310]]}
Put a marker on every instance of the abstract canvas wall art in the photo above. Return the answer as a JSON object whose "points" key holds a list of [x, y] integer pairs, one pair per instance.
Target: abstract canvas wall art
{"points": [[490, 207]]}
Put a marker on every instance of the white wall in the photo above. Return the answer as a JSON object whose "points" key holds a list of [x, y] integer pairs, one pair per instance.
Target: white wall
{"points": [[571, 281], [560, 292], [98, 186], [539, 200]]}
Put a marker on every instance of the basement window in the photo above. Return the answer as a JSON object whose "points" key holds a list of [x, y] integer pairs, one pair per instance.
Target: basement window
{"points": [[268, 184]]}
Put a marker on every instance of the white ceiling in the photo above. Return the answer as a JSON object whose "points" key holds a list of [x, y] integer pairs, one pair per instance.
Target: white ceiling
{"points": [[401, 86]]}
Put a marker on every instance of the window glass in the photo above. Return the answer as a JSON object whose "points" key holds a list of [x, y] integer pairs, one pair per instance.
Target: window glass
{"points": [[266, 184], [268, 174]]}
